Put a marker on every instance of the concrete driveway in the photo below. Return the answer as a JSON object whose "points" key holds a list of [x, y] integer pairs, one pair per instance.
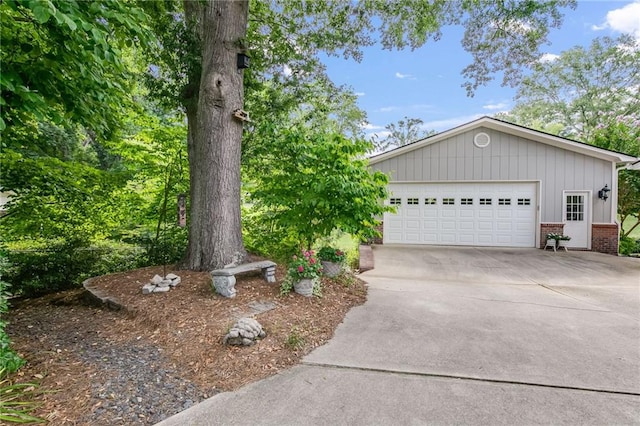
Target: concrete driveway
{"points": [[466, 336]]}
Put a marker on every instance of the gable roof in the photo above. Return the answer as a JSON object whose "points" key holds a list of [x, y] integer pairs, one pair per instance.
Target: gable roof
{"points": [[515, 130]]}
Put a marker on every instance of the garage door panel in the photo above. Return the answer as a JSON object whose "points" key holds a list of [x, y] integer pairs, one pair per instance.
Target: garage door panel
{"points": [[486, 214]]}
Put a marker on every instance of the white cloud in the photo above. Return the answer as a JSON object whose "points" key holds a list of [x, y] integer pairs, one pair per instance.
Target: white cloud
{"points": [[359, 94], [388, 109], [494, 106], [548, 57], [287, 71], [401, 76], [623, 20]]}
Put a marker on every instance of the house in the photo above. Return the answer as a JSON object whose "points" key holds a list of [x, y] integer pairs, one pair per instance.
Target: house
{"points": [[493, 183]]}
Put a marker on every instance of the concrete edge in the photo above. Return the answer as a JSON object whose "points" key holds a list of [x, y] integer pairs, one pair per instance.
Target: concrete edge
{"points": [[366, 258], [96, 296]]}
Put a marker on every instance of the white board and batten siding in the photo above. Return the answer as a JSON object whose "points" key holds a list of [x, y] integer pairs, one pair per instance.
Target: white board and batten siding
{"points": [[508, 158], [492, 183]]}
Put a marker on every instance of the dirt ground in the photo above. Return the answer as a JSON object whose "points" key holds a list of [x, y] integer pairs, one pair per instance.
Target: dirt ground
{"points": [[163, 353]]}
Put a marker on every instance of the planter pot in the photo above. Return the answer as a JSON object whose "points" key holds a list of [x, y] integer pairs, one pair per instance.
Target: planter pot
{"points": [[551, 242], [331, 269], [563, 244], [304, 287]]}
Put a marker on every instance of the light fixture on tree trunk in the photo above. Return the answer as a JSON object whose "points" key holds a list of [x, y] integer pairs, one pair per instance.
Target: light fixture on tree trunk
{"points": [[603, 194]]}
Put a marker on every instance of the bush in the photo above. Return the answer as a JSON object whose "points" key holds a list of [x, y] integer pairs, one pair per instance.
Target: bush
{"points": [[9, 360], [628, 246], [168, 248], [41, 267]]}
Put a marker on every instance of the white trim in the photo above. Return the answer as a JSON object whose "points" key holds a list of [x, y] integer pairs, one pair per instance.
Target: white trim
{"points": [[515, 130], [588, 204], [481, 144]]}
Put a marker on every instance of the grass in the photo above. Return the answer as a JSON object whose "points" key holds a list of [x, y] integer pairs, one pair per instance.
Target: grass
{"points": [[628, 224]]}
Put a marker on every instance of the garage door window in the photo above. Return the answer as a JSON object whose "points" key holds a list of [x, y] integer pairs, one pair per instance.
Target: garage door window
{"points": [[485, 201], [524, 201], [395, 201], [448, 201], [466, 201], [413, 201], [504, 201], [430, 201]]}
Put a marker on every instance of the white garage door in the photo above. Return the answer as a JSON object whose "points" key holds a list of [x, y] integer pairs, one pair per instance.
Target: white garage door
{"points": [[470, 214]]}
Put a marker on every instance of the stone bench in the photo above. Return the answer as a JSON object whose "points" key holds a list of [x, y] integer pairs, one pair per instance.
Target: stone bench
{"points": [[224, 280]]}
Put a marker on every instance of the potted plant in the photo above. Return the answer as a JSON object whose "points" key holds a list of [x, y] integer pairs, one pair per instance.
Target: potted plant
{"points": [[563, 241], [552, 240], [303, 274], [332, 260]]}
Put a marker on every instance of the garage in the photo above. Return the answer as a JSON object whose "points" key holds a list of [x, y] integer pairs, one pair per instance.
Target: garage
{"points": [[498, 214]]}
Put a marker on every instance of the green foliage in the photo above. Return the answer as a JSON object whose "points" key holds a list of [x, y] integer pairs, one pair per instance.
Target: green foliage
{"points": [[9, 360], [582, 90], [15, 401], [316, 183], [628, 246], [167, 248], [331, 254], [53, 265], [64, 60], [295, 340], [402, 133]]}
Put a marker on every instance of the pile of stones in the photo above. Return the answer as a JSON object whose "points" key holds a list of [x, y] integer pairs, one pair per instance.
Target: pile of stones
{"points": [[245, 332], [161, 285]]}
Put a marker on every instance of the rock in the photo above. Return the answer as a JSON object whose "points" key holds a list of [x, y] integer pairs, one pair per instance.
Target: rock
{"points": [[148, 288], [157, 279], [244, 332], [171, 277], [175, 281], [159, 289], [165, 283]]}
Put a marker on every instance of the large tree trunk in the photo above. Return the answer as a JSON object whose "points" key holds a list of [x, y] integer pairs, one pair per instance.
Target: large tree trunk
{"points": [[215, 136]]}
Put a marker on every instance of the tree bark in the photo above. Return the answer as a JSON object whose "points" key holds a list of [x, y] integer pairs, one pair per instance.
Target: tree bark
{"points": [[215, 136]]}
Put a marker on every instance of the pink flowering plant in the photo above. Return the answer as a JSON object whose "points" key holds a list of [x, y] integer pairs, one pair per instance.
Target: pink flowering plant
{"points": [[304, 265]]}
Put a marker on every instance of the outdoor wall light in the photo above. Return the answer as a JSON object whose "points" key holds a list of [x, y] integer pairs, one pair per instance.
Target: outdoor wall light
{"points": [[603, 194], [243, 61]]}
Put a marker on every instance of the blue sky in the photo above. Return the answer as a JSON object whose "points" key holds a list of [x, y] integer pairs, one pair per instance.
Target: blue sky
{"points": [[427, 83]]}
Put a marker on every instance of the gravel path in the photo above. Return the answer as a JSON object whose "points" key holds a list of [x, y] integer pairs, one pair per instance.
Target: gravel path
{"points": [[141, 388]]}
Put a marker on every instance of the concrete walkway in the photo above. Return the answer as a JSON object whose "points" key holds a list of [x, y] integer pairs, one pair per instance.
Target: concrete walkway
{"points": [[465, 336]]}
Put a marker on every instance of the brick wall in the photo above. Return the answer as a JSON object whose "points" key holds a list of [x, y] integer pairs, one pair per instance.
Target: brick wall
{"points": [[377, 240], [604, 238], [548, 228]]}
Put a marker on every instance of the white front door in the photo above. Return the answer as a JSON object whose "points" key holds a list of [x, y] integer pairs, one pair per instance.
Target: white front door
{"points": [[577, 218]]}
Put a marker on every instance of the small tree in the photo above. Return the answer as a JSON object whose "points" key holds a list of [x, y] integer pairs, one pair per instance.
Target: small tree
{"points": [[321, 182]]}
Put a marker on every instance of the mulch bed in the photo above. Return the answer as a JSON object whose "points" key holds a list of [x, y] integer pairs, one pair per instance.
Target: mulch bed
{"points": [[164, 352]]}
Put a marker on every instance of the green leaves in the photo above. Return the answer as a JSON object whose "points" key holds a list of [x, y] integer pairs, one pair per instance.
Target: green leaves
{"points": [[319, 182]]}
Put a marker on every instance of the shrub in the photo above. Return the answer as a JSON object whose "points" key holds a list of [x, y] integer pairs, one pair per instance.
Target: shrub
{"points": [[168, 248], [629, 246], [40, 267], [9, 360]]}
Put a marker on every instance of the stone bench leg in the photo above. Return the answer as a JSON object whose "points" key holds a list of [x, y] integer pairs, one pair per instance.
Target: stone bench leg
{"points": [[225, 285], [269, 274]]}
